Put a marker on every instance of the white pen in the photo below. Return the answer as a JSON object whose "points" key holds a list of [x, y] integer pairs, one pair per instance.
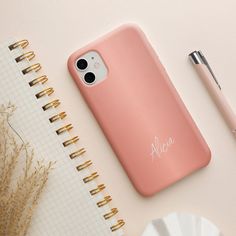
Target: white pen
{"points": [[206, 74]]}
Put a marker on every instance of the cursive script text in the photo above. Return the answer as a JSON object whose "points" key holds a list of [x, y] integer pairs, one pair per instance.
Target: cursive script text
{"points": [[158, 148]]}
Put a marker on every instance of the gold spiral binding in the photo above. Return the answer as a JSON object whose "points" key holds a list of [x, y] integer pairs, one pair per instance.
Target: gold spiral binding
{"points": [[47, 91], [53, 104], [120, 223], [103, 202], [22, 43], [80, 152], [35, 67], [84, 165], [99, 188], [60, 116], [42, 79], [64, 129], [110, 214], [49, 105], [70, 141], [90, 177], [28, 55]]}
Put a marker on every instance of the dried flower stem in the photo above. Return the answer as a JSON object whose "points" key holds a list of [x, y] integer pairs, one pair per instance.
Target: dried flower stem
{"points": [[18, 195]]}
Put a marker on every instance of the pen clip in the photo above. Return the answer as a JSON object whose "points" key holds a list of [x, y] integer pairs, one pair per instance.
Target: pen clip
{"points": [[205, 62]]}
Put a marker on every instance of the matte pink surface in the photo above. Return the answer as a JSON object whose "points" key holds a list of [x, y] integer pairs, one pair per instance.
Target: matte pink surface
{"points": [[174, 32], [140, 112]]}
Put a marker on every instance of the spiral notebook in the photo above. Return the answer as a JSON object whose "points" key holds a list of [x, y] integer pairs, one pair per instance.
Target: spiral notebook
{"points": [[74, 202]]}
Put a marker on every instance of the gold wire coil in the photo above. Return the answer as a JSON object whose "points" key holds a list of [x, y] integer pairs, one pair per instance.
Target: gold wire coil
{"points": [[64, 129], [80, 152], [111, 213], [42, 79], [70, 141], [84, 165], [35, 67], [117, 226], [22, 43], [47, 91], [97, 190], [28, 55], [49, 105], [60, 116], [104, 201], [90, 177]]}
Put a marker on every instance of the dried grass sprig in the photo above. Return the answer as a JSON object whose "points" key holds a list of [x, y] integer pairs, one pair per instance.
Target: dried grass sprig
{"points": [[20, 185]]}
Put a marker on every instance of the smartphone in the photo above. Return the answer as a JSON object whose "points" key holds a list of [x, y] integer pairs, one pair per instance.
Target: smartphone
{"points": [[140, 112]]}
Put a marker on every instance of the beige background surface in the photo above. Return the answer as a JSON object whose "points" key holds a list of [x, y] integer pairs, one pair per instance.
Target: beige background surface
{"points": [[56, 28]]}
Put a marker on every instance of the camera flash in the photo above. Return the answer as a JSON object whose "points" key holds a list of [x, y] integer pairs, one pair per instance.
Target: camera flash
{"points": [[96, 65]]}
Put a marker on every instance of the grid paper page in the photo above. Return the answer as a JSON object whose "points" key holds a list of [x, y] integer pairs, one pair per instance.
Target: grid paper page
{"points": [[66, 206]]}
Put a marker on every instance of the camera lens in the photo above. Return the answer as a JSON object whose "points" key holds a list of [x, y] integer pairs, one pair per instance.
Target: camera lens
{"points": [[82, 64], [89, 77]]}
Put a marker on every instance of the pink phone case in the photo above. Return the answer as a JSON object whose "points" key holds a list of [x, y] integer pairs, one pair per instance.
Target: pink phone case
{"points": [[140, 112]]}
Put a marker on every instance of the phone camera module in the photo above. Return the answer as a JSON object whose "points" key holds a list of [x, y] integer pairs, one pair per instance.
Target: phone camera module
{"points": [[82, 64], [90, 68], [89, 77]]}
